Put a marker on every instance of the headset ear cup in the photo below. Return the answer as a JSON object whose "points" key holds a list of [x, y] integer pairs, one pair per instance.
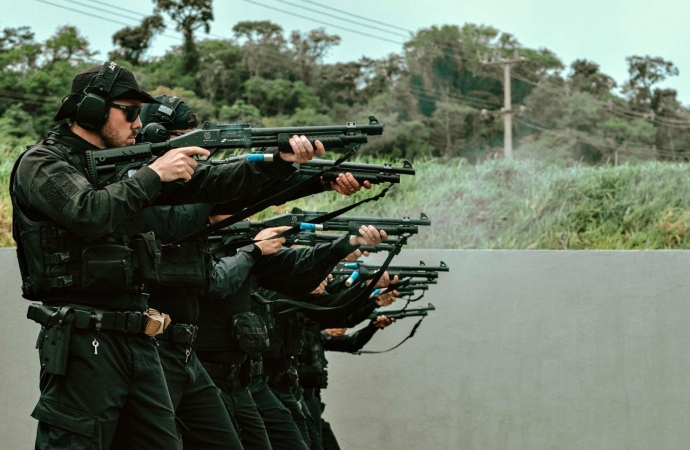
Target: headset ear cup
{"points": [[153, 133], [92, 112]]}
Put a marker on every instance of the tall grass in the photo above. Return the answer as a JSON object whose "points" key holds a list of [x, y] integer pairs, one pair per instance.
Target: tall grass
{"points": [[521, 204], [527, 204]]}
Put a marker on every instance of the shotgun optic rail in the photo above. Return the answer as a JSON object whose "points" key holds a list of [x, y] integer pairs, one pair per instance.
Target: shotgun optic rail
{"points": [[243, 136], [357, 270], [350, 224]]}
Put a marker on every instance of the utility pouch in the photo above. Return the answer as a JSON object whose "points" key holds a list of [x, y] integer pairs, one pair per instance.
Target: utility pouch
{"points": [[155, 322], [54, 344], [286, 379], [249, 332], [184, 265], [147, 257], [107, 267]]}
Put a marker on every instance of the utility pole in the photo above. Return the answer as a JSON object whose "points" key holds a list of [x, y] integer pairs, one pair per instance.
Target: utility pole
{"points": [[507, 110]]}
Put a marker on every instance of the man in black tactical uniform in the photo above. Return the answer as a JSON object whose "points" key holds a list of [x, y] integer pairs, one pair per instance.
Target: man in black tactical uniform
{"points": [[224, 348], [280, 379], [88, 254], [195, 398], [295, 367], [202, 417]]}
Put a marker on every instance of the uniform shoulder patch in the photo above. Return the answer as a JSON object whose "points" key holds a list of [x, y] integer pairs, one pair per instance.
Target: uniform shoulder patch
{"points": [[58, 189]]}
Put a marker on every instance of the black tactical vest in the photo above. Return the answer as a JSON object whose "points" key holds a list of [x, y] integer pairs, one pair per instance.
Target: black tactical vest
{"points": [[53, 260]]}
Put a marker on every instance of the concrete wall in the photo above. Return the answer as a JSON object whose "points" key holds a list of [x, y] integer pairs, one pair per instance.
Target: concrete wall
{"points": [[527, 350]]}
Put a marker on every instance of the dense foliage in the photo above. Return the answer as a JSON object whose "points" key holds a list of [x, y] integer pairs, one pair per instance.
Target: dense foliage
{"points": [[438, 98]]}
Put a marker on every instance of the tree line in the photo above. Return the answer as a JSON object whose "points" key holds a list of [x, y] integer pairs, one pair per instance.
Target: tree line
{"points": [[438, 97]]}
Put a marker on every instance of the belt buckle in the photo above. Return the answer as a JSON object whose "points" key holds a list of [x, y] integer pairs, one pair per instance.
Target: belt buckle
{"points": [[184, 334]]}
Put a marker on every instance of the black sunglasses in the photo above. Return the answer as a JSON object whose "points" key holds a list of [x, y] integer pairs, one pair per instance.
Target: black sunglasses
{"points": [[131, 112]]}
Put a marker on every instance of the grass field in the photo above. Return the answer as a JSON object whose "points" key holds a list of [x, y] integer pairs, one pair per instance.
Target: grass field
{"points": [[530, 205]]}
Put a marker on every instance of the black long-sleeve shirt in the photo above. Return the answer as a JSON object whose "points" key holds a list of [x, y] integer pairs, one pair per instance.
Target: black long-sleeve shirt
{"points": [[349, 343], [289, 271], [51, 184]]}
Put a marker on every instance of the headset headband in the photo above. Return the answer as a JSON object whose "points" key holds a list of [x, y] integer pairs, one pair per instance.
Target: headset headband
{"points": [[166, 111], [103, 82]]}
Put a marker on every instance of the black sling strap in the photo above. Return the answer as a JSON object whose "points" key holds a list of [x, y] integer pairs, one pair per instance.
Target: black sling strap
{"points": [[240, 241], [373, 352], [359, 297], [261, 205]]}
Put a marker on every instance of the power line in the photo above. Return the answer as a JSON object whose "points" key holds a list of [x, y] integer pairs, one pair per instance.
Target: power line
{"points": [[24, 99], [84, 13], [101, 9], [30, 95], [345, 20], [120, 9], [325, 23], [559, 89], [358, 17], [141, 16], [100, 17], [415, 90]]}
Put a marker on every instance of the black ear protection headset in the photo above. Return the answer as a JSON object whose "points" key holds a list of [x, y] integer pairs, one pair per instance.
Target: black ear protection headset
{"points": [[92, 110], [165, 112], [155, 131]]}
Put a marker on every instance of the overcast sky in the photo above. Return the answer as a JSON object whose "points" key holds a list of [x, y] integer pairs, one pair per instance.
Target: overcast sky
{"points": [[603, 31]]}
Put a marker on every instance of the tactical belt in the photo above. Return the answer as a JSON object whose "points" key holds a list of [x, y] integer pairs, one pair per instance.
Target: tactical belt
{"points": [[89, 319], [227, 372], [180, 333]]}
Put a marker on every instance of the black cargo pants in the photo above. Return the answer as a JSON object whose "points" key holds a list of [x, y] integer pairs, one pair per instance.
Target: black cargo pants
{"points": [[245, 412], [119, 379], [202, 417], [282, 429]]}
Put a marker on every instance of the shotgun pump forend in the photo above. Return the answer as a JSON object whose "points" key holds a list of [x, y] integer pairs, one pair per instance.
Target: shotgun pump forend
{"points": [[402, 313]]}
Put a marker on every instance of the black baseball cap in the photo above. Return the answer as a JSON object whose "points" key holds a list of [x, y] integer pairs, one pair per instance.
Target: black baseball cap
{"points": [[124, 87]]}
